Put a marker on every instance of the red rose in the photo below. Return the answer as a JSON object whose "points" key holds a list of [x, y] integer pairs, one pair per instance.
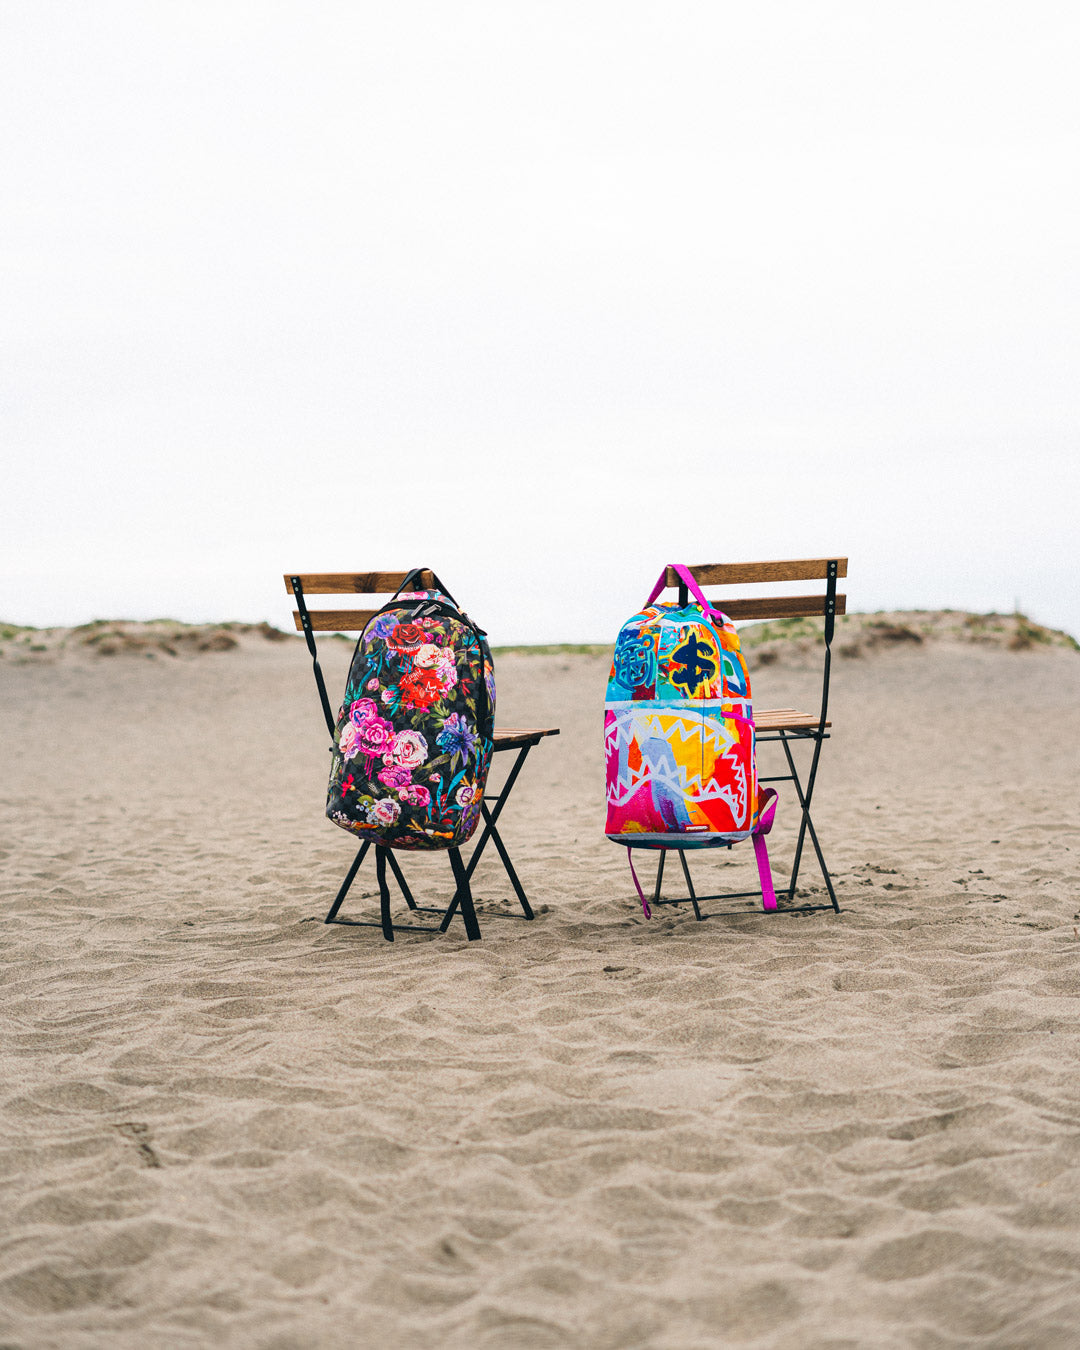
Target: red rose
{"points": [[420, 689], [406, 637]]}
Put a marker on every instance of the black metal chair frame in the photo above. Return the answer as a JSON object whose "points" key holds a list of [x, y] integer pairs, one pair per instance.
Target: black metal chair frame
{"points": [[787, 738], [491, 806]]}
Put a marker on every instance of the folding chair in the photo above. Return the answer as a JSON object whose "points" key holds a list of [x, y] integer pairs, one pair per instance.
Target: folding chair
{"points": [[786, 727], [302, 584]]}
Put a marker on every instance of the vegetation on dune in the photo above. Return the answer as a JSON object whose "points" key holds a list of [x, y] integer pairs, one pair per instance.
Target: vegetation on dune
{"points": [[127, 637], [857, 635]]}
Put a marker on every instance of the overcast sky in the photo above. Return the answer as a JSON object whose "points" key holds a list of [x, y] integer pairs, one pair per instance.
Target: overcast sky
{"points": [[541, 295]]}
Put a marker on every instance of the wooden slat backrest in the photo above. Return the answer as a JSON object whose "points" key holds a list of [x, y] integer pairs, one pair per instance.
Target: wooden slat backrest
{"points": [[768, 607], [779, 607], [346, 583], [741, 574], [351, 583]]}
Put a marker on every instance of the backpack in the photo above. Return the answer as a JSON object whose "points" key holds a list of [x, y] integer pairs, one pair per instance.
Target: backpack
{"points": [[414, 736], [679, 754]]}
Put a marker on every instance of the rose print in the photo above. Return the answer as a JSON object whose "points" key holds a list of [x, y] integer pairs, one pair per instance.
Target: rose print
{"points": [[446, 671], [383, 812], [416, 675], [428, 655], [361, 710], [420, 689], [374, 736], [409, 749], [406, 637], [395, 777]]}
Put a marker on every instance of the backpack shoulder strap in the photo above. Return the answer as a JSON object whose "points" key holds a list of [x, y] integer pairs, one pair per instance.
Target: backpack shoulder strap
{"points": [[687, 577], [761, 848]]}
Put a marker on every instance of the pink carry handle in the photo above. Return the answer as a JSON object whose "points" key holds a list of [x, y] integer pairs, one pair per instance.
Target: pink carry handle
{"points": [[686, 577]]}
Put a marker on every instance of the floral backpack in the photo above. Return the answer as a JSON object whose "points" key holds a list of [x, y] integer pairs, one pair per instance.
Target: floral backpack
{"points": [[413, 739], [679, 735]]}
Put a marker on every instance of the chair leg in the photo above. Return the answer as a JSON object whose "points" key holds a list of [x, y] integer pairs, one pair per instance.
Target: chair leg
{"points": [[491, 818], [399, 876], [490, 832], [659, 876], [343, 892], [500, 847], [689, 884], [821, 863], [806, 825], [384, 893], [463, 896]]}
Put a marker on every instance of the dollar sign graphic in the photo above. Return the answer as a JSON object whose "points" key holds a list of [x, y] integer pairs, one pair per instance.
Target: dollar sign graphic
{"points": [[695, 662]]}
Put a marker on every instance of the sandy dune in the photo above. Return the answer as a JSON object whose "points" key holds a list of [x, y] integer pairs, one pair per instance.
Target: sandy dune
{"points": [[226, 1123]]}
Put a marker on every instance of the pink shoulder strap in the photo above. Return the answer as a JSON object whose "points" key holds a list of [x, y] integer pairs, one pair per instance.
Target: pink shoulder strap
{"points": [[761, 850], [687, 578], [645, 906]]}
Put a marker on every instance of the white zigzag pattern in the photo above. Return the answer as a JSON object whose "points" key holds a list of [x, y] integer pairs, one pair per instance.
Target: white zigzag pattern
{"points": [[630, 724], [681, 785]]}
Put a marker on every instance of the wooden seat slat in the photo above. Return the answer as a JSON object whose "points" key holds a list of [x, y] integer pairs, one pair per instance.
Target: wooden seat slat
{"points": [[785, 719], [509, 738]]}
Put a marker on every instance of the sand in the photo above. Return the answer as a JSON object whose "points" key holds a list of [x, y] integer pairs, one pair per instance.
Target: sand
{"points": [[225, 1123]]}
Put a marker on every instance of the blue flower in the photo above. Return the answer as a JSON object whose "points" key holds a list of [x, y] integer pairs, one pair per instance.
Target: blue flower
{"points": [[456, 737]]}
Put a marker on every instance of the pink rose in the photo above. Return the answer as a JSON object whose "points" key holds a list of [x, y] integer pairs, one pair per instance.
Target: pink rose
{"points": [[416, 795], [349, 741], [361, 710], [447, 671], [383, 812], [409, 749], [395, 777], [372, 685], [374, 735]]}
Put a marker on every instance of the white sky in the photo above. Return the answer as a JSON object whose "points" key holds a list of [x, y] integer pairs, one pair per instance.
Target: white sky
{"points": [[543, 296]]}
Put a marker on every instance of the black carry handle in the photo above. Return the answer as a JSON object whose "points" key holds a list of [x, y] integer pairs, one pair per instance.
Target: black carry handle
{"points": [[417, 572]]}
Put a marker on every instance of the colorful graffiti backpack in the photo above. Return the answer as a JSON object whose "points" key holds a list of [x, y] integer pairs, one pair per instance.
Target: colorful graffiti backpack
{"points": [[679, 734], [413, 739]]}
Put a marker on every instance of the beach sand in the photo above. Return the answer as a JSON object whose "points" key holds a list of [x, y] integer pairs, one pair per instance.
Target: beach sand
{"points": [[223, 1122]]}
